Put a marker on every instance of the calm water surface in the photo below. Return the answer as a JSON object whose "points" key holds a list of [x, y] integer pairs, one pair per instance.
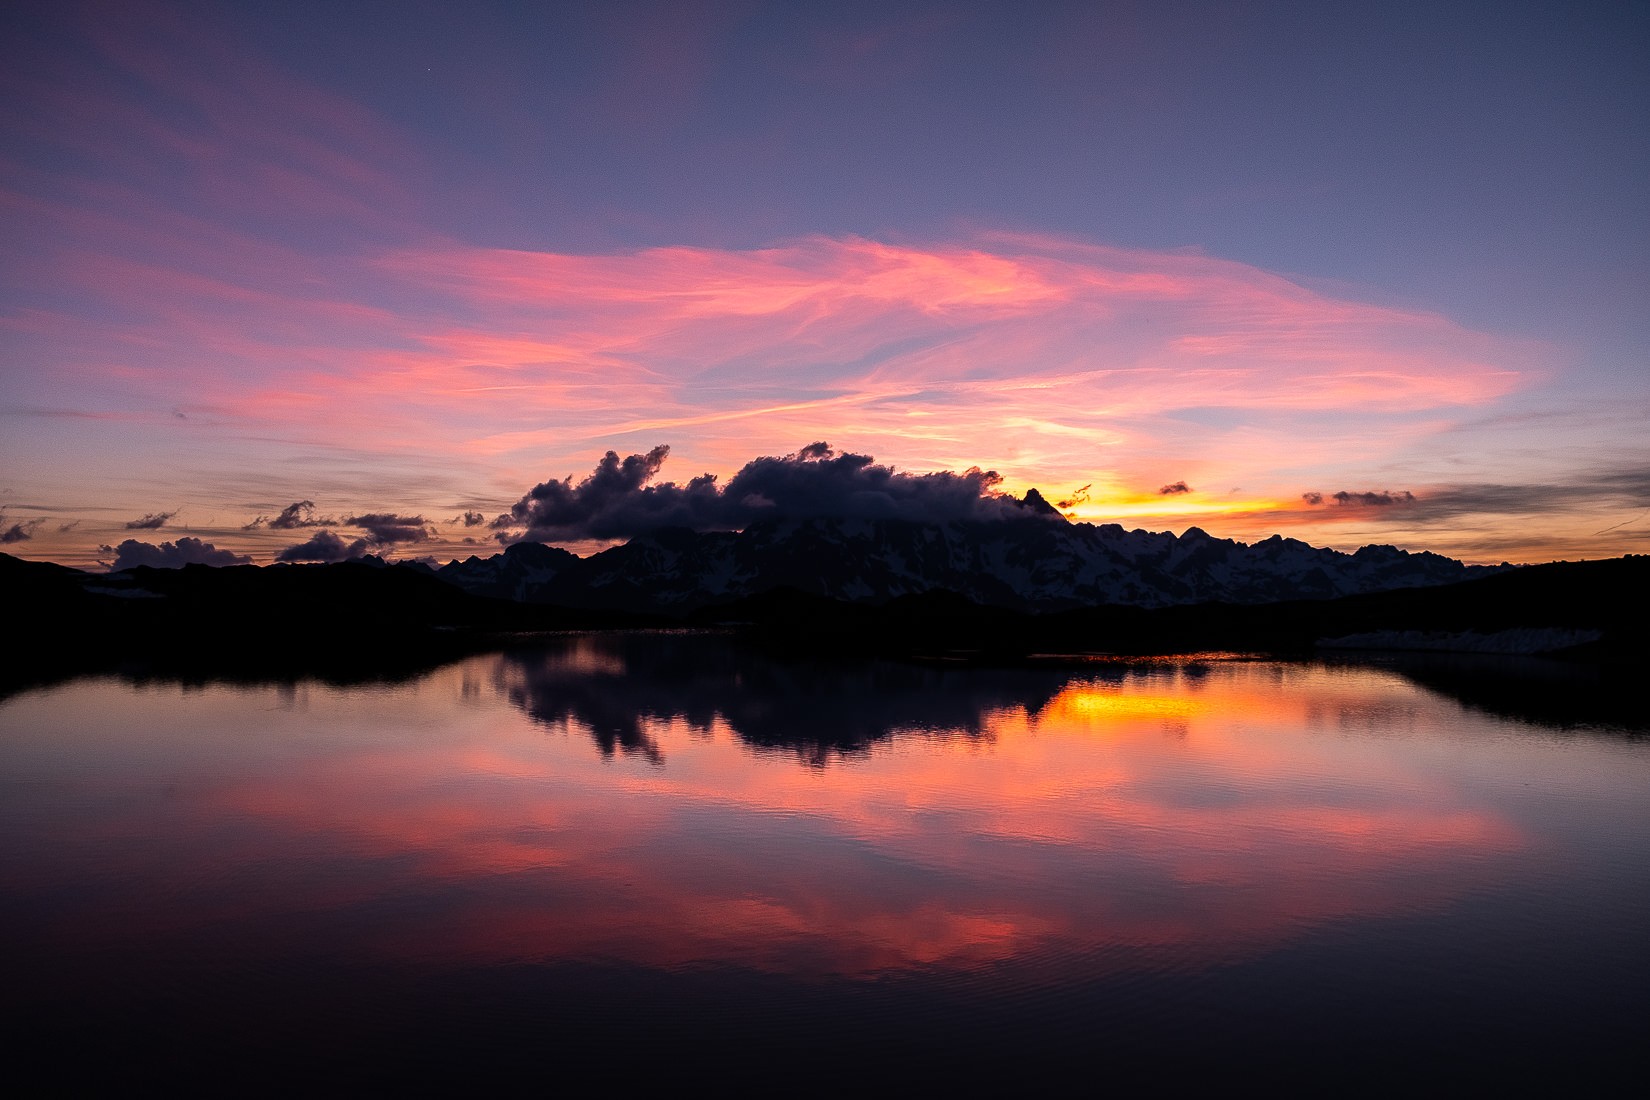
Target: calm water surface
{"points": [[662, 857]]}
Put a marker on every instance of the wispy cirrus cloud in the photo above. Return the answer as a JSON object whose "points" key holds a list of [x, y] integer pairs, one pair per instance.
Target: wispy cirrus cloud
{"points": [[1010, 351], [1053, 362], [222, 252], [940, 352]]}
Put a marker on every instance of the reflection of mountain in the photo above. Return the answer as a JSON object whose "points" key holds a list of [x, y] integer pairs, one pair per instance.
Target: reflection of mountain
{"points": [[1039, 562], [618, 685], [377, 874], [622, 688]]}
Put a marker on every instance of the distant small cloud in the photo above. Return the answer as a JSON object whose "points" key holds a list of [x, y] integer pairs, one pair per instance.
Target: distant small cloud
{"points": [[324, 546], [19, 531], [389, 529], [170, 555], [1367, 499], [383, 529], [470, 519], [298, 514], [1373, 500], [1079, 496], [151, 522], [1174, 490], [65, 528]]}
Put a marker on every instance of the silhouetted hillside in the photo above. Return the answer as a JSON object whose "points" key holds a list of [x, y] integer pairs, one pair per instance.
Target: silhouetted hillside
{"points": [[350, 620], [1610, 597], [365, 619]]}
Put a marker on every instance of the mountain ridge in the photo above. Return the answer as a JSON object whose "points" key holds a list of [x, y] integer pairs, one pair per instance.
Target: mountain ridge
{"points": [[1038, 562]]}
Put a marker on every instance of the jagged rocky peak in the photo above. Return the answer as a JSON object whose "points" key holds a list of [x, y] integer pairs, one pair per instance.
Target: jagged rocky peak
{"points": [[1028, 564], [1034, 502], [538, 554]]}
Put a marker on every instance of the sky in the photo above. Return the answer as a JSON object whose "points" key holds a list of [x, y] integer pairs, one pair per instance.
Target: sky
{"points": [[1350, 273]]}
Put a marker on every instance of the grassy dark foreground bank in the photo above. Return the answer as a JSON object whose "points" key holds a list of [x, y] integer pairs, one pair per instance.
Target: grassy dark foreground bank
{"points": [[1609, 597], [344, 623]]}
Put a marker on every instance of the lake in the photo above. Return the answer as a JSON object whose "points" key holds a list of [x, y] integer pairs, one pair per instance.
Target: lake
{"points": [[665, 858]]}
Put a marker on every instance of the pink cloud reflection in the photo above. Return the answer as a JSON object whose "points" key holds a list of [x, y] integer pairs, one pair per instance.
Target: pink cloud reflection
{"points": [[944, 857]]}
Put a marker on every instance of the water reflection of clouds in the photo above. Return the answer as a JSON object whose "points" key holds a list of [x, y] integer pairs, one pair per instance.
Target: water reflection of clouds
{"points": [[1109, 820]]}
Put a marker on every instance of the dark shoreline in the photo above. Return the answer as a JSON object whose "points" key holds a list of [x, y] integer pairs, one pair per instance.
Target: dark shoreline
{"points": [[356, 622]]}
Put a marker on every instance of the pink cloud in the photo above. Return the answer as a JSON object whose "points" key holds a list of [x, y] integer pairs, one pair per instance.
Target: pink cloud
{"points": [[1051, 361], [986, 335]]}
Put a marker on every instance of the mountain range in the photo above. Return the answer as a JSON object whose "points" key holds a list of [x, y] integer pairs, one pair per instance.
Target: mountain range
{"points": [[1037, 561]]}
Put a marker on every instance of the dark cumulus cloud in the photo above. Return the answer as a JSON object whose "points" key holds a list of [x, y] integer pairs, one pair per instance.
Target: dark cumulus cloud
{"points": [[324, 546], [389, 529], [1371, 499], [618, 500], [154, 521], [469, 519], [170, 555], [1174, 489], [381, 531], [384, 530]]}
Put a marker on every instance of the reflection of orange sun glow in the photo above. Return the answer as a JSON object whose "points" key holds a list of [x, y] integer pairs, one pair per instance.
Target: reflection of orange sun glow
{"points": [[1021, 840], [1091, 706]]}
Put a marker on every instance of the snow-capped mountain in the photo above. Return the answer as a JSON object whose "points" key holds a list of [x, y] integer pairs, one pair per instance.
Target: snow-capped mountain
{"points": [[517, 574], [1038, 561]]}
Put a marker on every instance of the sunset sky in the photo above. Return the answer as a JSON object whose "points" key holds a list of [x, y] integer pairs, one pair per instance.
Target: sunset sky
{"points": [[1351, 273]]}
